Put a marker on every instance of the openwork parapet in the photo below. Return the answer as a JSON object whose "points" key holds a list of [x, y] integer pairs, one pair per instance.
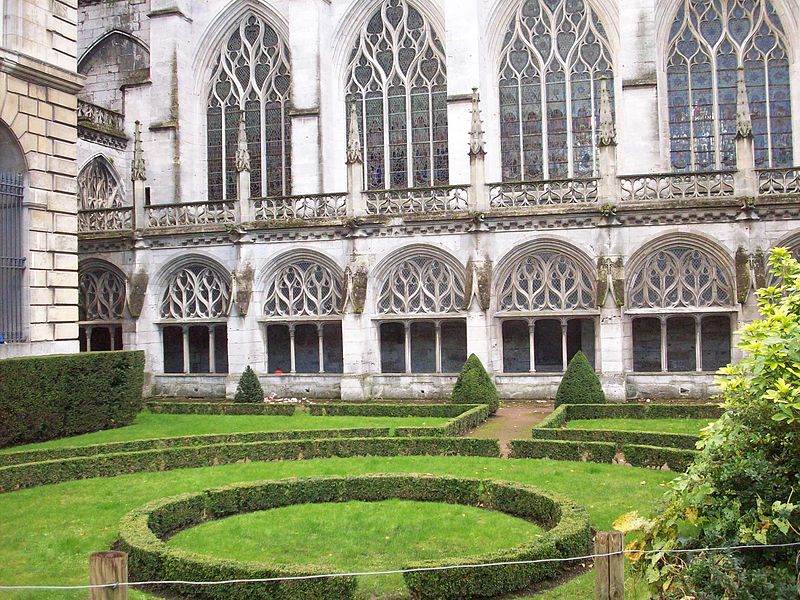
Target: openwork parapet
{"points": [[677, 186], [539, 193], [418, 200], [312, 206], [105, 219], [779, 181], [191, 213]]}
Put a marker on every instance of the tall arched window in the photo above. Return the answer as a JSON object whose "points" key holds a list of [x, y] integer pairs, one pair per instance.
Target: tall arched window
{"points": [[554, 54], [99, 186], [303, 310], [398, 78], [709, 40], [12, 237], [681, 300], [196, 299], [102, 300], [547, 306], [251, 76]]}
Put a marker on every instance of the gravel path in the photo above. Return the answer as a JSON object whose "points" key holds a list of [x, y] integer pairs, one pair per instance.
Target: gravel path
{"points": [[513, 420]]}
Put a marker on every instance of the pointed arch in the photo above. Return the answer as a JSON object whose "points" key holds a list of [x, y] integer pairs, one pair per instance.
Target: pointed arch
{"points": [[102, 287], [124, 37], [194, 287], [303, 284], [100, 186]]}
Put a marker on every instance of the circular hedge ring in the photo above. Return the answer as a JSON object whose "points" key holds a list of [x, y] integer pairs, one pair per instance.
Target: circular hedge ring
{"points": [[143, 531]]}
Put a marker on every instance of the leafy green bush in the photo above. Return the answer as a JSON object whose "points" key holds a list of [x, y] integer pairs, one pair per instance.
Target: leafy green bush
{"points": [[48, 397], [475, 386], [742, 488], [580, 384], [249, 388]]}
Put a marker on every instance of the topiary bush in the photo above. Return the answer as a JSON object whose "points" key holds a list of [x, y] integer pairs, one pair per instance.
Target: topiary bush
{"points": [[249, 388], [475, 386], [580, 384]]}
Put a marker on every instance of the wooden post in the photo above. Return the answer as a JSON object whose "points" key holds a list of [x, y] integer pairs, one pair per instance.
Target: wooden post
{"points": [[609, 570], [108, 567]]}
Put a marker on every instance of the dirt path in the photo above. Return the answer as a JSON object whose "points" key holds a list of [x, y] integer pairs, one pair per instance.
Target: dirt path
{"points": [[513, 420]]}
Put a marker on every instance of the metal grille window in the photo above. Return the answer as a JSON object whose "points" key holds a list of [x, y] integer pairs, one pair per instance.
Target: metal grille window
{"points": [[709, 40], [398, 78], [12, 258], [99, 186], [421, 285], [547, 281], [196, 292], [554, 54], [251, 76]]}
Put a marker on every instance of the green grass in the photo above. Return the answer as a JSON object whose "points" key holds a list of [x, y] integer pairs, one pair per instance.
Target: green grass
{"points": [[690, 426], [150, 426], [360, 536], [47, 533]]}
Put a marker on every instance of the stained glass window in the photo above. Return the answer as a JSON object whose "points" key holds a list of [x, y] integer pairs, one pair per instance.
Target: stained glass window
{"points": [[251, 77], [554, 54], [709, 40], [398, 78]]}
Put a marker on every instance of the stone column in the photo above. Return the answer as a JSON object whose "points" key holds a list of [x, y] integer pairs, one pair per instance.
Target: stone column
{"points": [[355, 333], [610, 334], [138, 177], [745, 180], [607, 186], [478, 199], [242, 174], [356, 207]]}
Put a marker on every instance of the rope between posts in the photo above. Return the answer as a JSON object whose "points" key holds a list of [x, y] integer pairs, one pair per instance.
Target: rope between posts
{"points": [[393, 572]]}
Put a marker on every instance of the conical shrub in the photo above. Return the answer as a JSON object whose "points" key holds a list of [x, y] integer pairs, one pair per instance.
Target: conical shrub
{"points": [[475, 386], [580, 384], [249, 388]]}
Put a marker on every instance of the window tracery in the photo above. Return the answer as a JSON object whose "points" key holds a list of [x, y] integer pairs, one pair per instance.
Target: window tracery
{"points": [[99, 186], [554, 55], [251, 77], [547, 281], [421, 284], [680, 277], [196, 292], [398, 78], [304, 289], [709, 40], [102, 295]]}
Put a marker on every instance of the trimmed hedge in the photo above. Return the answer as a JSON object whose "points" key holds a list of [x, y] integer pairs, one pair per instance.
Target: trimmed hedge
{"points": [[48, 397], [603, 452], [17, 458], [580, 384], [142, 530], [646, 438], [344, 409], [457, 426], [475, 386], [163, 459], [220, 408], [571, 412]]}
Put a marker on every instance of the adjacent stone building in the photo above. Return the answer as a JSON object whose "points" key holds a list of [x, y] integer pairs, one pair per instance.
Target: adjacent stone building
{"points": [[38, 151], [352, 195]]}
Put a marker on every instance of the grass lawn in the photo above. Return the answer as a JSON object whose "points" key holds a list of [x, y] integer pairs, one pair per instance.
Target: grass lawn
{"points": [[47, 533], [690, 426], [361, 536], [150, 426]]}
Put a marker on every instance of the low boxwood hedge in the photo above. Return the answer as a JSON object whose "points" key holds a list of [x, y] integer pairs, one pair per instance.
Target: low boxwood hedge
{"points": [[603, 452], [48, 397], [620, 438], [29, 475], [368, 409], [142, 532], [456, 426], [572, 412], [18, 458], [220, 408]]}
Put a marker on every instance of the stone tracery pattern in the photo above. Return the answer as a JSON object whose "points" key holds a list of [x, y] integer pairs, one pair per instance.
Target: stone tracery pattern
{"points": [[196, 292], [709, 40], [99, 187], [554, 55], [251, 76], [680, 277], [398, 78], [102, 295], [304, 289], [547, 281], [421, 284]]}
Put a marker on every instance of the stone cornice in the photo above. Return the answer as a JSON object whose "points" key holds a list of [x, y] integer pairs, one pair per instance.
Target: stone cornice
{"points": [[33, 70]]}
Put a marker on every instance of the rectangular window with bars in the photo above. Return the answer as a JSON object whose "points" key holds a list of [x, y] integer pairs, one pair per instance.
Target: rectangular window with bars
{"points": [[12, 258]]}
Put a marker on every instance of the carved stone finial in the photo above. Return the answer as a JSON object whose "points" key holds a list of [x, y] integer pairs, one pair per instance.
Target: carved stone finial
{"points": [[137, 164], [744, 122], [477, 145], [242, 152], [607, 132], [353, 138]]}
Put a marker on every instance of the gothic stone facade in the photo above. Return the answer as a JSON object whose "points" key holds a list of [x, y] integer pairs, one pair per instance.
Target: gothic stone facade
{"points": [[351, 196], [38, 152]]}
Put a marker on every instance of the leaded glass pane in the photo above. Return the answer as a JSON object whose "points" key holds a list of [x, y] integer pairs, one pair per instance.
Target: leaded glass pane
{"points": [[708, 42], [553, 57], [251, 77], [398, 78]]}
